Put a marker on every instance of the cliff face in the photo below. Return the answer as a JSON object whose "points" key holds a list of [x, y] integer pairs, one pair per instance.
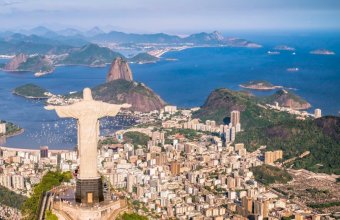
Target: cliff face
{"points": [[14, 64], [141, 98], [119, 70], [288, 99]]}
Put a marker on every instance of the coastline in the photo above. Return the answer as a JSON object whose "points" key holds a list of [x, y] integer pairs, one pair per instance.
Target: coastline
{"points": [[32, 150], [28, 97], [14, 134]]}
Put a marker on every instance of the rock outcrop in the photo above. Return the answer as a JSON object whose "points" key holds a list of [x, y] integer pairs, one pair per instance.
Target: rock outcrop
{"points": [[119, 70], [288, 99], [141, 97], [14, 64]]}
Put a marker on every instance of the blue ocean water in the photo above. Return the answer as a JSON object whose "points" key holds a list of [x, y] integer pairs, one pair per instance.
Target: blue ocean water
{"points": [[185, 82]]}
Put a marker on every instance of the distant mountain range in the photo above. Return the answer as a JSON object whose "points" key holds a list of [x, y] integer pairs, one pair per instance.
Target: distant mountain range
{"points": [[75, 47], [43, 40]]}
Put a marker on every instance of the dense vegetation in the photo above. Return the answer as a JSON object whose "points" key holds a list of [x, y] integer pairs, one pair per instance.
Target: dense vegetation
{"points": [[10, 198], [51, 179], [267, 174], [136, 138], [278, 130], [132, 216], [30, 91], [190, 134], [10, 128], [107, 141], [295, 137], [323, 205]]}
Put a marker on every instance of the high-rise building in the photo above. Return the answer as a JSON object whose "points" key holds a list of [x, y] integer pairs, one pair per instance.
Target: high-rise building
{"points": [[130, 182], [232, 134], [238, 127], [170, 109], [44, 152], [247, 203], [2, 128], [18, 182], [227, 135], [271, 156], [231, 183], [175, 168], [235, 118], [317, 113]]}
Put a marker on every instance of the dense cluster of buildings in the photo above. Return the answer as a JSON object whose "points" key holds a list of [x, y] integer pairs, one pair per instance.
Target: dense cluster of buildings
{"points": [[20, 169], [206, 177]]}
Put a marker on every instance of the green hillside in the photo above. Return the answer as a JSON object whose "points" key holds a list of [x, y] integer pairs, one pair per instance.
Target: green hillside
{"points": [[278, 130], [267, 174], [10, 198], [92, 55]]}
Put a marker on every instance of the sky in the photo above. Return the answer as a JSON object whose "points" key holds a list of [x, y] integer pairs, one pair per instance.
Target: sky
{"points": [[171, 16]]}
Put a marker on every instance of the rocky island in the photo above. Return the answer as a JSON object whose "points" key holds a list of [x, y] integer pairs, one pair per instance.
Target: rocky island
{"points": [[259, 85], [31, 91], [322, 52]]}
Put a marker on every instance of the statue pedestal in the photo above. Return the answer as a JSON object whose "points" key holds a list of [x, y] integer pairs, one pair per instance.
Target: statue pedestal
{"points": [[89, 191]]}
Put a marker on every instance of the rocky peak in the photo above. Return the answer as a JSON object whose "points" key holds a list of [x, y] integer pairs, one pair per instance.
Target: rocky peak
{"points": [[119, 70], [217, 36], [16, 61]]}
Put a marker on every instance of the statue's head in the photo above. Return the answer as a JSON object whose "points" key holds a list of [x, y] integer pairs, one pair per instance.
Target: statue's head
{"points": [[87, 94]]}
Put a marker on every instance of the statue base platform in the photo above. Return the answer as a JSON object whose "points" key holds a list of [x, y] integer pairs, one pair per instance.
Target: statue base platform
{"points": [[106, 210], [89, 191]]}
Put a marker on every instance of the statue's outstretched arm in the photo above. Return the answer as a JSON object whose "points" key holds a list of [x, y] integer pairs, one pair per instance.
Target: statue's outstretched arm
{"points": [[112, 109], [64, 111]]}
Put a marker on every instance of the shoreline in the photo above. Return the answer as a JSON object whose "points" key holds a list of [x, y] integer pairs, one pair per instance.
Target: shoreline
{"points": [[28, 97], [14, 134], [32, 150]]}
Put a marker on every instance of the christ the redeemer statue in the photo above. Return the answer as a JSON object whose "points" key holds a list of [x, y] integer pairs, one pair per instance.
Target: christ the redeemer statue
{"points": [[87, 112]]}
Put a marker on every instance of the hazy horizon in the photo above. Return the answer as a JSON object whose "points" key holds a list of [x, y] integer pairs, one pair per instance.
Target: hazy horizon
{"points": [[175, 17]]}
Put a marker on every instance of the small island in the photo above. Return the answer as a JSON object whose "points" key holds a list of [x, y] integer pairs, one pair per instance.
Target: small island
{"points": [[284, 48], [31, 91], [259, 85], [143, 58], [322, 52]]}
